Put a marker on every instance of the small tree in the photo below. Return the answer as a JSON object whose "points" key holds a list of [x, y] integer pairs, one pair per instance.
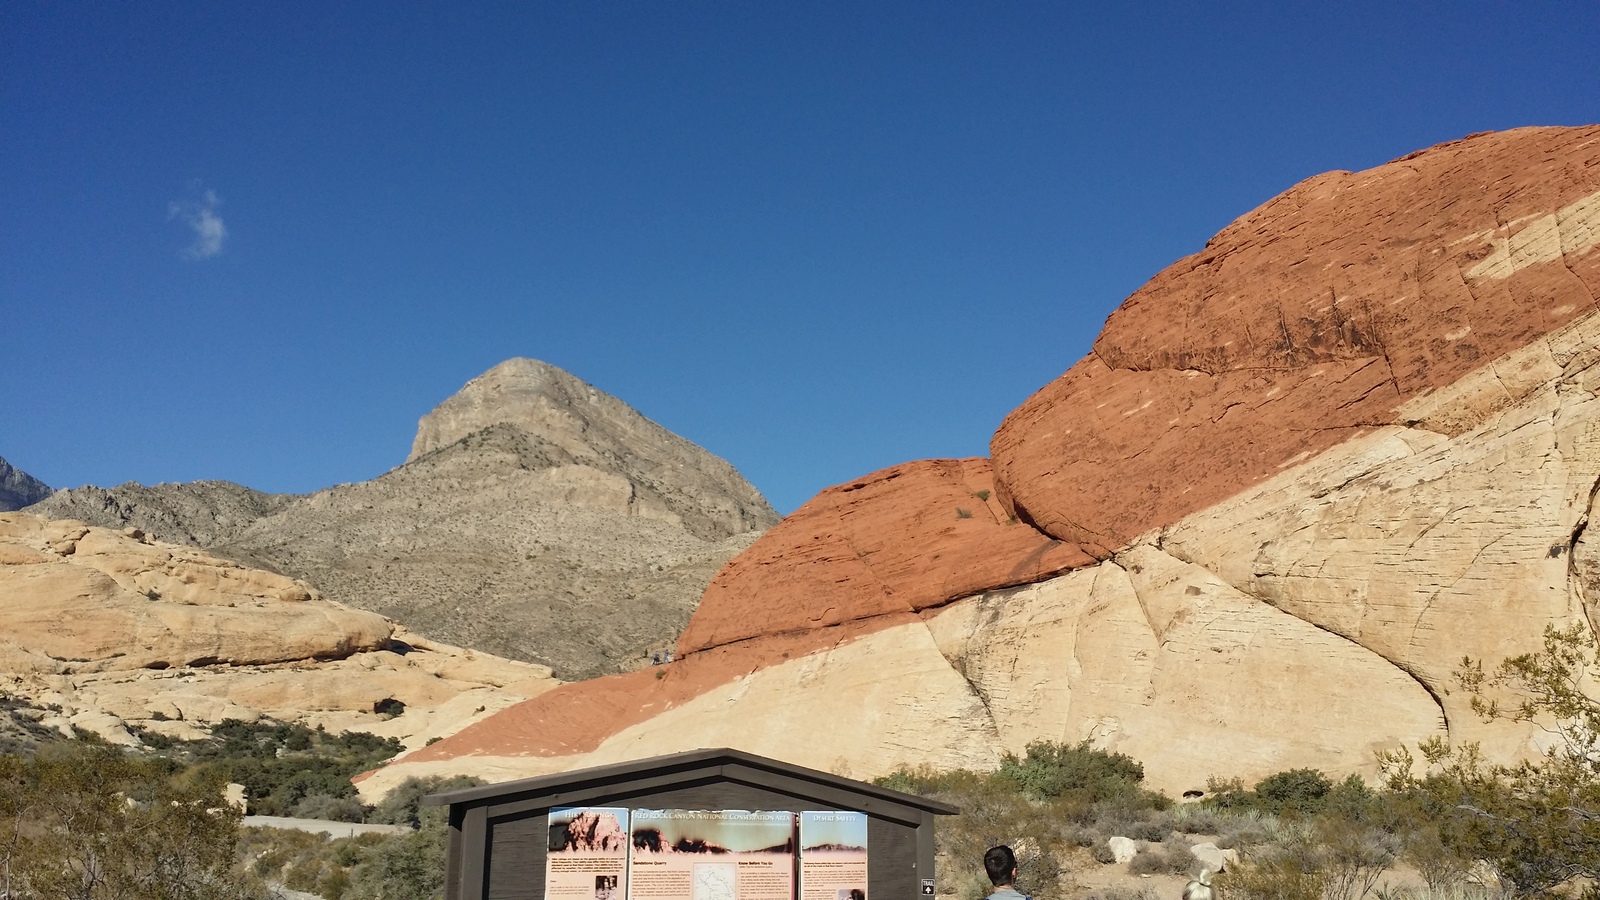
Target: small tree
{"points": [[89, 823], [1538, 822]]}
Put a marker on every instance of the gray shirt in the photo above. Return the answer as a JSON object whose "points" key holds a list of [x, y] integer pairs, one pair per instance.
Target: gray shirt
{"points": [[1008, 893]]}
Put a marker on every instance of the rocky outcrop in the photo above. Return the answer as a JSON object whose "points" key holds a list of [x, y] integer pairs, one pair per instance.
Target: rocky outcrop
{"points": [[18, 488], [1307, 322], [900, 540], [538, 519], [80, 598], [107, 630], [201, 513], [1301, 475]]}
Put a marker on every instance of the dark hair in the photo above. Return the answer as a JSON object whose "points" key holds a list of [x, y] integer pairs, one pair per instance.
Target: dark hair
{"points": [[1001, 864]]}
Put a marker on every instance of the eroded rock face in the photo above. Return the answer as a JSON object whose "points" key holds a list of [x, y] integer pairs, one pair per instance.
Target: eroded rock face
{"points": [[202, 513], [1303, 473]]}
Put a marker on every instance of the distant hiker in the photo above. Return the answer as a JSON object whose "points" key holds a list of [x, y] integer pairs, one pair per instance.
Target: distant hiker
{"points": [[1200, 887], [1001, 865]]}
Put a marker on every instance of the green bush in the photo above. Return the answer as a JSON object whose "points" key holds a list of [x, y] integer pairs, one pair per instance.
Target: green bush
{"points": [[283, 766], [1050, 770], [88, 822], [1299, 791], [403, 805], [1537, 823], [993, 811], [334, 809]]}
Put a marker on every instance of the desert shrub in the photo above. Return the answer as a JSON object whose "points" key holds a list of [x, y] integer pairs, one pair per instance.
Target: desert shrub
{"points": [[993, 811], [1229, 795], [1138, 824], [403, 804], [1441, 868], [1296, 791], [1353, 801], [88, 822], [281, 765], [1101, 853], [1143, 892], [1194, 818], [336, 809], [1268, 880], [1352, 856], [1049, 770], [1536, 823], [1163, 859], [269, 852], [408, 867], [1076, 835]]}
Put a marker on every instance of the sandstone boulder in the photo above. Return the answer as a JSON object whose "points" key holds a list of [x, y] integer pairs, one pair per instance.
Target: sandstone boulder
{"points": [[1208, 855], [89, 599], [1123, 849], [111, 630]]}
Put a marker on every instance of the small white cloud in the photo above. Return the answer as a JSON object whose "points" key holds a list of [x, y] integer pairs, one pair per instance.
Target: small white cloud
{"points": [[201, 215]]}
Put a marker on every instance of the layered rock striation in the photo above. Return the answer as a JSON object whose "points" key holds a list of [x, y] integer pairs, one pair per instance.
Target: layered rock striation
{"points": [[1302, 473]]}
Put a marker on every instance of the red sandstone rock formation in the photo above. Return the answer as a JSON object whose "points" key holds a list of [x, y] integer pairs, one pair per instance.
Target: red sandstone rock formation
{"points": [[896, 541], [1305, 321], [1332, 311]]}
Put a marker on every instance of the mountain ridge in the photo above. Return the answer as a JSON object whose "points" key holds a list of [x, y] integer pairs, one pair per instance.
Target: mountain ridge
{"points": [[19, 489], [536, 518]]}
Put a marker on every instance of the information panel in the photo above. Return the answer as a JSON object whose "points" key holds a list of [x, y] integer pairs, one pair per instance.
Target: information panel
{"points": [[588, 858], [833, 856], [729, 854]]}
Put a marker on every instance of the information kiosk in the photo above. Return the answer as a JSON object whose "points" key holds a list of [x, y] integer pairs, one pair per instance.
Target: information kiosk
{"points": [[702, 825]]}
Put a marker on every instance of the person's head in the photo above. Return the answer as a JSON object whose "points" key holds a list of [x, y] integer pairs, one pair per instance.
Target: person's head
{"points": [[1001, 864]]}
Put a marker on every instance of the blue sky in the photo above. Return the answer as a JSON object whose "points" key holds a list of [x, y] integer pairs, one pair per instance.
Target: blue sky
{"points": [[257, 241]]}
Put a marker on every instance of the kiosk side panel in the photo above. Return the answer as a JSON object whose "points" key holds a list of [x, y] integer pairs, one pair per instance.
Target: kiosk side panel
{"points": [[517, 850], [891, 861]]}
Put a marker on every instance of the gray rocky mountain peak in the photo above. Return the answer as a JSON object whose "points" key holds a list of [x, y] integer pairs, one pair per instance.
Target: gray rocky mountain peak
{"points": [[19, 489], [598, 430]]}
